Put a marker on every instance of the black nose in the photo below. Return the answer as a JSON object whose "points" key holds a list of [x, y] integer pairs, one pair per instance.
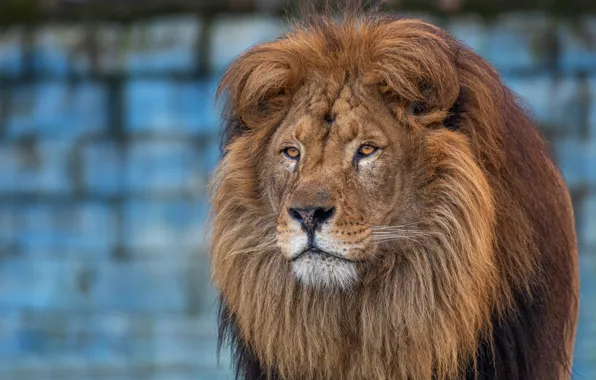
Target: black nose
{"points": [[311, 218]]}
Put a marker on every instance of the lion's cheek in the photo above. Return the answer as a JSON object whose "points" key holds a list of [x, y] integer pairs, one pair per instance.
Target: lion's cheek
{"points": [[276, 178], [291, 241], [375, 193]]}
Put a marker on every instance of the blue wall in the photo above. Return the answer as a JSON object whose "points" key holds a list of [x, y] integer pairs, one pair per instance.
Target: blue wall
{"points": [[105, 151]]}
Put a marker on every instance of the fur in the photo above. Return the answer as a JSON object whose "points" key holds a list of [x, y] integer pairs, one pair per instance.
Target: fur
{"points": [[490, 292]]}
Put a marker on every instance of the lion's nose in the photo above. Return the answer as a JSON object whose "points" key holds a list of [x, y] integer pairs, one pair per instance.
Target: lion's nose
{"points": [[311, 218]]}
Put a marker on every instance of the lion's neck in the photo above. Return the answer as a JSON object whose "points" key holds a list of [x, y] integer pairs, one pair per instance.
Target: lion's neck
{"points": [[372, 332]]}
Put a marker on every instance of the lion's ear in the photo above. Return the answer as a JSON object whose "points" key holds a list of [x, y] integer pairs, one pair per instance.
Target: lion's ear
{"points": [[422, 102], [452, 122], [259, 84], [410, 100]]}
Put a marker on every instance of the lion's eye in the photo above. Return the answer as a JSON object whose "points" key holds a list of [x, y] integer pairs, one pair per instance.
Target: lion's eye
{"points": [[292, 153], [366, 150]]}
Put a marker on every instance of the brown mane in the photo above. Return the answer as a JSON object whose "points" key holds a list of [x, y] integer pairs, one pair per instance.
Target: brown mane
{"points": [[492, 295]]}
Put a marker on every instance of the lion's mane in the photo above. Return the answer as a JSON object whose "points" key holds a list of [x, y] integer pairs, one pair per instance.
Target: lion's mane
{"points": [[494, 295]]}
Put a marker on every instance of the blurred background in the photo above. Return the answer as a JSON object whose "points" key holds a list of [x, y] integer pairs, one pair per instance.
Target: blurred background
{"points": [[108, 133]]}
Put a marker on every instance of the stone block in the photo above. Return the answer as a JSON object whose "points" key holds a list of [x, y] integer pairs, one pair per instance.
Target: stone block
{"points": [[150, 106], [10, 325], [568, 98], [8, 226], [160, 167], [163, 45], [557, 105], [518, 41], [111, 46], [220, 374], [82, 341], [182, 326], [103, 167], [590, 162], [34, 167], [576, 160], [577, 44], [570, 157], [585, 347], [89, 336], [202, 297], [533, 92], [472, 31], [165, 226], [61, 50], [591, 127], [183, 342], [211, 155], [55, 109], [157, 285], [49, 229], [164, 106], [35, 284], [11, 49], [231, 35], [587, 225], [198, 108]]}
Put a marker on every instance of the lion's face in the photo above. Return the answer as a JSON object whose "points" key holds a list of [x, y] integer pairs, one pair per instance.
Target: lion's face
{"points": [[339, 171]]}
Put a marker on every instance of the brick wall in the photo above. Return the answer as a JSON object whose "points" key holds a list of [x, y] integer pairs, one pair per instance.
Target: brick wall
{"points": [[108, 133]]}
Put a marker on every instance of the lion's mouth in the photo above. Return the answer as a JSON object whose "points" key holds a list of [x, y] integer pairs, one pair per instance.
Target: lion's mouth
{"points": [[315, 253]]}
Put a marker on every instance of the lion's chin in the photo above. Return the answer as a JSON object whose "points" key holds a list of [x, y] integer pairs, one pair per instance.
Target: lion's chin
{"points": [[322, 270]]}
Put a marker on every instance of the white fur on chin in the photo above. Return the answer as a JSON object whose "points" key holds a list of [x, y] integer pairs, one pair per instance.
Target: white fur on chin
{"points": [[325, 271]]}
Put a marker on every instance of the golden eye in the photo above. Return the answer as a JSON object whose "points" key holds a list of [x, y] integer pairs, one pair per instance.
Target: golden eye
{"points": [[366, 150], [292, 153]]}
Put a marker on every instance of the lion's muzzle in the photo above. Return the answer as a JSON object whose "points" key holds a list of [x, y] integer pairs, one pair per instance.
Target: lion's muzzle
{"points": [[311, 219]]}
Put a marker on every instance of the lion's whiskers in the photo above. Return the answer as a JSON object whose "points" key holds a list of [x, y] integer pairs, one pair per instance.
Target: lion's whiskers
{"points": [[382, 234], [378, 227], [262, 247]]}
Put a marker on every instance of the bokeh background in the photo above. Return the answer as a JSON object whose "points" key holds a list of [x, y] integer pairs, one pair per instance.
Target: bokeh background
{"points": [[108, 133]]}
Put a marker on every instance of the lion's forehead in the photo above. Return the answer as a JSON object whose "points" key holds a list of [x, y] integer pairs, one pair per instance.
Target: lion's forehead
{"points": [[326, 112]]}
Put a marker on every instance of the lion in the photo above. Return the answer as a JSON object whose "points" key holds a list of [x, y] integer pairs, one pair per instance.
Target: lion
{"points": [[386, 209]]}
